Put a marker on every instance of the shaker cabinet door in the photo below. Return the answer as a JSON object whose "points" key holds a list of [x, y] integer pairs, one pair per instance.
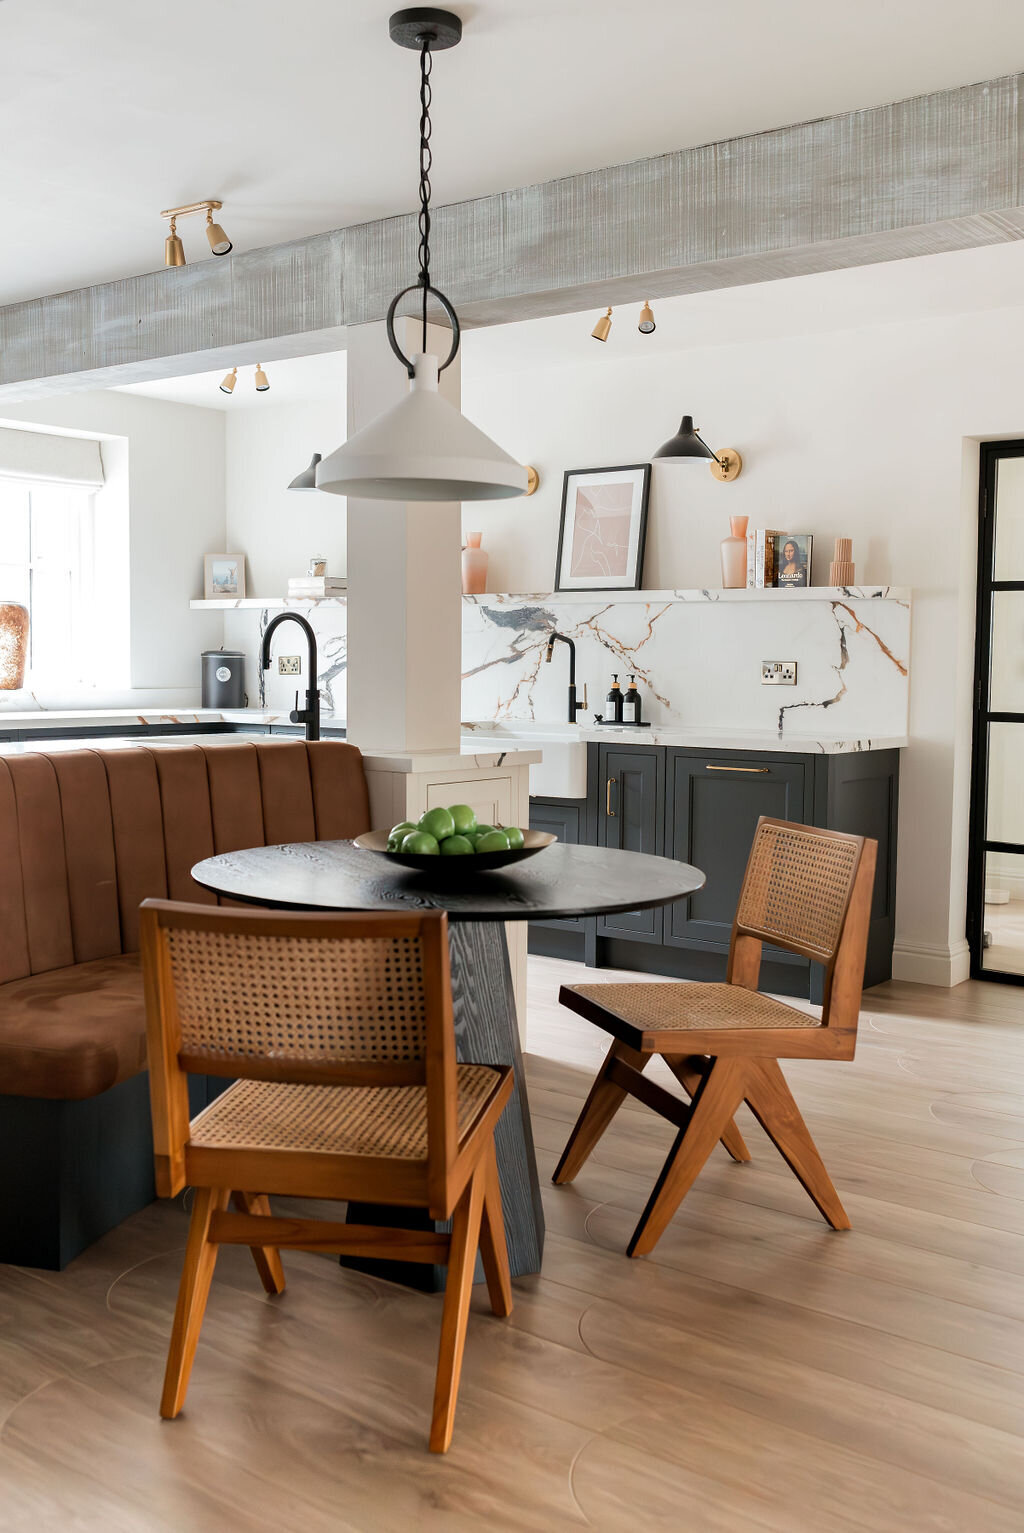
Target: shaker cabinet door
{"points": [[714, 802], [565, 819], [630, 813]]}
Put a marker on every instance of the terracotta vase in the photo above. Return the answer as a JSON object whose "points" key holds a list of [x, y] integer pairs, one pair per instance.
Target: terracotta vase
{"points": [[734, 554], [474, 566], [13, 645]]}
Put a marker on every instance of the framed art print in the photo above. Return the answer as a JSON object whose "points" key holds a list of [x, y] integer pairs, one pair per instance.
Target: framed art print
{"points": [[603, 529], [224, 575]]}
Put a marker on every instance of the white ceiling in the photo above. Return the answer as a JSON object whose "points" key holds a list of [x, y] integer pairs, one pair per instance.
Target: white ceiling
{"points": [[302, 116], [296, 380]]}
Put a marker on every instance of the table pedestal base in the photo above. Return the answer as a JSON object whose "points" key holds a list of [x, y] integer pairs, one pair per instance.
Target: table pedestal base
{"points": [[486, 1033]]}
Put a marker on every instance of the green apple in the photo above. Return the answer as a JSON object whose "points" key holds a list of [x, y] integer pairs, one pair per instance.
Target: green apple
{"points": [[464, 818], [493, 841], [515, 838], [456, 846], [421, 843], [437, 823]]}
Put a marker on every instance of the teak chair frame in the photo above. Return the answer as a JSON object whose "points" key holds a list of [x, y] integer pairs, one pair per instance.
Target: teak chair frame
{"points": [[720, 1068], [457, 1179]]}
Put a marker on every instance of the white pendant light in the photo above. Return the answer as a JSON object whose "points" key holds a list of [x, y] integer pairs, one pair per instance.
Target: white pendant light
{"points": [[423, 448]]}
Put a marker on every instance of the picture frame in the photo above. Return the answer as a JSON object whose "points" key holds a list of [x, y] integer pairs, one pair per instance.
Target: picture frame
{"points": [[602, 533], [223, 576]]}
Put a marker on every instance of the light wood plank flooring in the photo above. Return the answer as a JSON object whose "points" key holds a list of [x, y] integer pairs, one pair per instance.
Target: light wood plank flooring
{"points": [[758, 1372]]}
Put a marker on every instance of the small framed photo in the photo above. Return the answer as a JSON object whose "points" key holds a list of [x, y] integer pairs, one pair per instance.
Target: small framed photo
{"points": [[603, 529], [793, 559], [224, 575]]}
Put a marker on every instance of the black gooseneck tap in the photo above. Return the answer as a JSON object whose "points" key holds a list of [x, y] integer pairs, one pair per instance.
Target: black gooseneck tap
{"points": [[574, 706], [310, 715]]}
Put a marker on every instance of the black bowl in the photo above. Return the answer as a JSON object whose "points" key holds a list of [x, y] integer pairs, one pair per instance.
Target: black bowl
{"points": [[534, 841]]}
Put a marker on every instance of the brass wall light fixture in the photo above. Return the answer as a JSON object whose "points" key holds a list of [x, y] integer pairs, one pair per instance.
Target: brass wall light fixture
{"points": [[688, 443], [174, 251], [227, 383], [602, 329], [646, 325]]}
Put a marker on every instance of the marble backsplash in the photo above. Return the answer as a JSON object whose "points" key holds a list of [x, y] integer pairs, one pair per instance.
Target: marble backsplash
{"points": [[696, 657]]}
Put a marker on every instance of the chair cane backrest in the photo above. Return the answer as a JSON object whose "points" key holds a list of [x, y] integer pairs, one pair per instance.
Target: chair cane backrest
{"points": [[800, 885], [362, 999]]}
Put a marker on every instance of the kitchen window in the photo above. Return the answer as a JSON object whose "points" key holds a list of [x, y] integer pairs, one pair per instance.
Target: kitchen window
{"points": [[46, 563]]}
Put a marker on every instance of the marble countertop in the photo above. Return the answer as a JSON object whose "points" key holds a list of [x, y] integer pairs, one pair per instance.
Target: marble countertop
{"points": [[104, 718], [672, 734]]}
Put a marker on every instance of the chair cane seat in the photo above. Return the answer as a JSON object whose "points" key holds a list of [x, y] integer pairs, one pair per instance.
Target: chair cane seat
{"points": [[690, 1007], [385, 1121]]}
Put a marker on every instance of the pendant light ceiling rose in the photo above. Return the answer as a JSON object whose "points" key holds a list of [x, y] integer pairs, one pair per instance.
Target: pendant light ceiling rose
{"points": [[418, 24]]}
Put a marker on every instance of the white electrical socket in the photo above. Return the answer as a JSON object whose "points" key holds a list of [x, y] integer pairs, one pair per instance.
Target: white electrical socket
{"points": [[289, 665], [778, 673]]}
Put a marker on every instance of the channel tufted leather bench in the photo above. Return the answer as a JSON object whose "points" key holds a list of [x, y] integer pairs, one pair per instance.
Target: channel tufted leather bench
{"points": [[86, 836]]}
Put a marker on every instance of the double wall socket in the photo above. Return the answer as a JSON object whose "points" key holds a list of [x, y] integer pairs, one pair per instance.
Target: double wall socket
{"points": [[778, 673], [289, 665]]}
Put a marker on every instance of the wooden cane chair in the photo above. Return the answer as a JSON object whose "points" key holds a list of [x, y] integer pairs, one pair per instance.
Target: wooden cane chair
{"points": [[805, 890], [337, 1031]]}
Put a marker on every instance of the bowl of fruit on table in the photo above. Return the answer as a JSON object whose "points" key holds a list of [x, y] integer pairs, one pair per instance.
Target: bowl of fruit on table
{"points": [[451, 841]]}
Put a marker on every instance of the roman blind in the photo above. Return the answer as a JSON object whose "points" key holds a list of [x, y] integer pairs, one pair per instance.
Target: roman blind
{"points": [[44, 455]]}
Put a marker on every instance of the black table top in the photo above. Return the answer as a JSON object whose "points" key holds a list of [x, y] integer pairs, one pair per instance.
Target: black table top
{"points": [[562, 880]]}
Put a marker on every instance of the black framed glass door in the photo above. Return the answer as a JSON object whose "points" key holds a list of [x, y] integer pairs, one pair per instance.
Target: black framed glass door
{"points": [[995, 898]]}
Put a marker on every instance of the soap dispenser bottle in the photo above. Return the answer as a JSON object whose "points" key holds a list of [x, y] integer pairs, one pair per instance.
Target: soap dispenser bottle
{"points": [[631, 707], [614, 701]]}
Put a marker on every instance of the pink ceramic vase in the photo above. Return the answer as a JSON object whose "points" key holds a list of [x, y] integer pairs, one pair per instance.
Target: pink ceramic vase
{"points": [[474, 566], [734, 554]]}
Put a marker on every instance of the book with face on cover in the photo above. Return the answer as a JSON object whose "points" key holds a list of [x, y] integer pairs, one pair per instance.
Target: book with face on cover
{"points": [[792, 560]]}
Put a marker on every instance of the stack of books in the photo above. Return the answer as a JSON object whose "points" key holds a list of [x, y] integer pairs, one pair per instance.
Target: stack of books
{"points": [[317, 585], [778, 558]]}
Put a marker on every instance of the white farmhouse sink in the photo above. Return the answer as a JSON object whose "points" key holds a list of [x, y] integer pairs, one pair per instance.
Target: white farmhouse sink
{"points": [[563, 771]]}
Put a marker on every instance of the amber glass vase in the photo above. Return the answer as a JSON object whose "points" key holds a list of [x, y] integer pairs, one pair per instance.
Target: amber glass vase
{"points": [[13, 645]]}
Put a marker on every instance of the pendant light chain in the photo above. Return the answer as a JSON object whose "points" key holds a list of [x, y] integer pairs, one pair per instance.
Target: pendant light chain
{"points": [[426, 161]]}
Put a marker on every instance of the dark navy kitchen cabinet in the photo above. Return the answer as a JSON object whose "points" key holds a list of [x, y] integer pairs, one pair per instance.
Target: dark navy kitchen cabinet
{"points": [[701, 807]]}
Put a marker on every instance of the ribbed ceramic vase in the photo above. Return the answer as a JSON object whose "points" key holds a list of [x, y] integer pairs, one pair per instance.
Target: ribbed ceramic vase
{"points": [[13, 645], [734, 554], [474, 566]]}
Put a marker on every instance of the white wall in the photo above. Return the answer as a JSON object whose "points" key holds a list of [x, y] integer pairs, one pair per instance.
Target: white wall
{"points": [[276, 528], [165, 467], [870, 434]]}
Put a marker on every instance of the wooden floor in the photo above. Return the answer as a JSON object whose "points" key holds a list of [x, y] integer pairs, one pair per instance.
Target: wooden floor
{"points": [[757, 1372]]}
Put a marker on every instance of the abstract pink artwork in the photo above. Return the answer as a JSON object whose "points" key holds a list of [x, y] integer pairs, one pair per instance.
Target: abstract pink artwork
{"points": [[600, 533]]}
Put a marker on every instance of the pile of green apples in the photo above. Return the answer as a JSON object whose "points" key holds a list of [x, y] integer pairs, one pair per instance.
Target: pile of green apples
{"points": [[452, 832]]}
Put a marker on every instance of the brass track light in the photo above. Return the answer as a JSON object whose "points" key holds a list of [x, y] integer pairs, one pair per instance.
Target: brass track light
{"points": [[262, 381], [219, 242], [227, 383], [602, 329], [646, 325], [174, 253], [174, 250]]}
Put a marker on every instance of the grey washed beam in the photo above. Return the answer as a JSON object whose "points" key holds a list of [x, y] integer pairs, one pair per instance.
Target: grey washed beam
{"points": [[939, 172]]}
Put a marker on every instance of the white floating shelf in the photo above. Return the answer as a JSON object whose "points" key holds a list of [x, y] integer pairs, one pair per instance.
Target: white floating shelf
{"points": [[708, 595], [263, 603]]}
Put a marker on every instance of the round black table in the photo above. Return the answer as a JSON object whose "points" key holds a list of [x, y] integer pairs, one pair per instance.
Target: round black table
{"points": [[558, 882]]}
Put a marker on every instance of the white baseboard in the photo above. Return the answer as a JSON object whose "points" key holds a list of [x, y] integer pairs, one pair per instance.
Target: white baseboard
{"points": [[928, 963]]}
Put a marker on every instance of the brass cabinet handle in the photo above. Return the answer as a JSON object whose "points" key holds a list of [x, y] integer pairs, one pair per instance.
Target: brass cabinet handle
{"points": [[710, 767], [608, 798]]}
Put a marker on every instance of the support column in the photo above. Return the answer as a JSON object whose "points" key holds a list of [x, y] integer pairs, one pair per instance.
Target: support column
{"points": [[404, 574]]}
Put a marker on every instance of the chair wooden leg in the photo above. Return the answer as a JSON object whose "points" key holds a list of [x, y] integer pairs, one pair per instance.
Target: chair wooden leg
{"points": [[719, 1094], [689, 1077], [599, 1109], [267, 1258], [465, 1239], [493, 1245], [771, 1101], [200, 1259]]}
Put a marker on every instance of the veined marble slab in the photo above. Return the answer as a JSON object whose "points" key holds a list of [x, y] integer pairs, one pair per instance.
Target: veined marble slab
{"points": [[698, 663]]}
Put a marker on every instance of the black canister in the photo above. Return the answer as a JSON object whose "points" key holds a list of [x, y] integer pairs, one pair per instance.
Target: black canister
{"points": [[223, 678]]}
